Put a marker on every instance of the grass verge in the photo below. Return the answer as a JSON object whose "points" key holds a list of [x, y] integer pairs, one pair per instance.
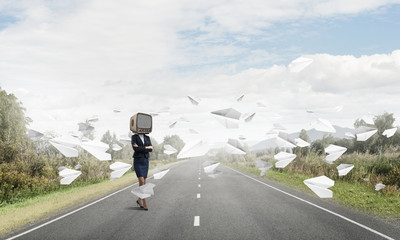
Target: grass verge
{"points": [[351, 194], [13, 216]]}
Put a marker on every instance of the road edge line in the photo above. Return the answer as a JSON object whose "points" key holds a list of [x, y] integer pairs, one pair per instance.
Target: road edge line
{"points": [[315, 205]]}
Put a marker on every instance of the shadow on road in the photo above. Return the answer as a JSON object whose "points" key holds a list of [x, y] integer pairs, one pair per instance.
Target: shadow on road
{"points": [[133, 208]]}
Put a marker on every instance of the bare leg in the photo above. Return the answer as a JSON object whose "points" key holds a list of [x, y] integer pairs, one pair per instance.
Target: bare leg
{"points": [[141, 182], [144, 200]]}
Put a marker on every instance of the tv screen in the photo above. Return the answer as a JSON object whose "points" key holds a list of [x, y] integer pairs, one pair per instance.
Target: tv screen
{"points": [[143, 121]]}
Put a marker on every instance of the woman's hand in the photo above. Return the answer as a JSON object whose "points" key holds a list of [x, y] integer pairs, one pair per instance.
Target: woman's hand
{"points": [[149, 147], [135, 145]]}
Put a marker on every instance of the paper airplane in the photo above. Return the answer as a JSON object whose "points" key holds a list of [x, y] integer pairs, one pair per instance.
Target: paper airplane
{"points": [[323, 125], [194, 101], [284, 159], [68, 176], [168, 149], [263, 166], [172, 125], [284, 140], [84, 127], [349, 135], [228, 113], [334, 152], [195, 148], [116, 111], [215, 174], [389, 132], [260, 104], [320, 185], [368, 119], [379, 186], [242, 137], [344, 169], [228, 117], [234, 147], [68, 141], [240, 98], [210, 166], [65, 150], [159, 173], [144, 191], [119, 169], [61, 168], [301, 143], [116, 147], [249, 117], [299, 64], [78, 166], [363, 133], [94, 118], [97, 149], [34, 135]]}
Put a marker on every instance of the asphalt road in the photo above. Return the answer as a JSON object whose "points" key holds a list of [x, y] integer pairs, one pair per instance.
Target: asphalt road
{"points": [[231, 206]]}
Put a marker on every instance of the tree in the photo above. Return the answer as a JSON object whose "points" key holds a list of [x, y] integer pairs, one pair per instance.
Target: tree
{"points": [[13, 137]]}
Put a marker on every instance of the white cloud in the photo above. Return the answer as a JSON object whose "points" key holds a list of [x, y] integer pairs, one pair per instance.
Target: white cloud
{"points": [[77, 59]]}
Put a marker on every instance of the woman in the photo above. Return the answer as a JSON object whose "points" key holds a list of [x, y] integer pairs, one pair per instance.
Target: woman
{"points": [[142, 146]]}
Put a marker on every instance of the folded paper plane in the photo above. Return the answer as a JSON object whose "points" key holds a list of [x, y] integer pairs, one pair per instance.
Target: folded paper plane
{"points": [[78, 166], [68, 176], [67, 151], [349, 135], [192, 149], [159, 173], [214, 174], [119, 169], [299, 64], [301, 143], [144, 191], [194, 100], [116, 147], [34, 135], [284, 159], [379, 186], [168, 149], [284, 140], [97, 149], [210, 166], [84, 127], [228, 113], [234, 147], [363, 133], [389, 132], [320, 185], [240, 98], [344, 169], [334, 152], [323, 125], [249, 117]]}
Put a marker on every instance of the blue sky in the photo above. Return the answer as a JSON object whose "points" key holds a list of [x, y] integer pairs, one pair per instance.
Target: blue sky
{"points": [[367, 33]]}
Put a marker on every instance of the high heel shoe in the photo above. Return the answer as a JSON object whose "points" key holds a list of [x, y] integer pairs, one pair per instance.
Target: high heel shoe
{"points": [[146, 209], [137, 201]]}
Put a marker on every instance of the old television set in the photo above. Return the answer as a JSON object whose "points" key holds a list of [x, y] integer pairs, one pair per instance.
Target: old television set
{"points": [[141, 123]]}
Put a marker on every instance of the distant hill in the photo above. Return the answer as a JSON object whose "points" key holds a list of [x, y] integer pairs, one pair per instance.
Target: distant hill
{"points": [[312, 134]]}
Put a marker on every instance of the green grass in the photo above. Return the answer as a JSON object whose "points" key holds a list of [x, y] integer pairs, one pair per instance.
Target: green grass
{"points": [[13, 216], [352, 194]]}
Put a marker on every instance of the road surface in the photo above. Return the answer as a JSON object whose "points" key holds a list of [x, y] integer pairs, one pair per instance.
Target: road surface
{"points": [[190, 205]]}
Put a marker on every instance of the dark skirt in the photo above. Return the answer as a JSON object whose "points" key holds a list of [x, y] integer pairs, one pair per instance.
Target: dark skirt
{"points": [[141, 166]]}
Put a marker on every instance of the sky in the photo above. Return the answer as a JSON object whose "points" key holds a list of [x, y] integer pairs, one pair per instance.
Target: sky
{"points": [[69, 60]]}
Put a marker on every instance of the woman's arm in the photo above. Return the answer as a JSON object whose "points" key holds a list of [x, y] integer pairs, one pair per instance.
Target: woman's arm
{"points": [[135, 147]]}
